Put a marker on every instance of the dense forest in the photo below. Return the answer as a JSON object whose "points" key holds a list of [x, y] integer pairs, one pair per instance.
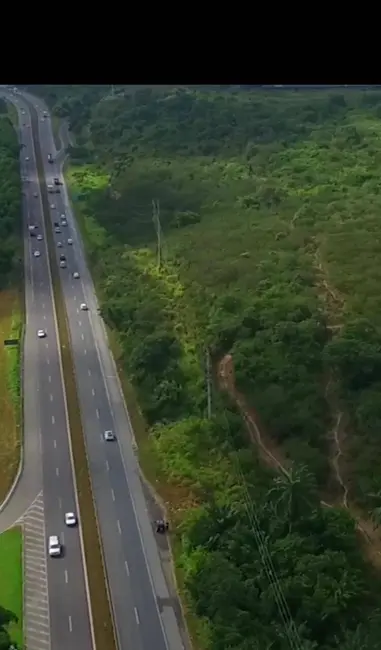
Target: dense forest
{"points": [[10, 199], [269, 235]]}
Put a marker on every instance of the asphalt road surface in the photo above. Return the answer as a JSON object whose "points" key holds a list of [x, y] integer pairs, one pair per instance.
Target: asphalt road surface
{"points": [[68, 606], [143, 612]]}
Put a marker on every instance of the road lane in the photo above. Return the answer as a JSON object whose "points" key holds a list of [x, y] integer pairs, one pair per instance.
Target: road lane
{"points": [[142, 590], [67, 600]]}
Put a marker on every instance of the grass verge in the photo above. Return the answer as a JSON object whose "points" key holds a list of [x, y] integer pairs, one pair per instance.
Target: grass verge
{"points": [[11, 593], [100, 605], [10, 385]]}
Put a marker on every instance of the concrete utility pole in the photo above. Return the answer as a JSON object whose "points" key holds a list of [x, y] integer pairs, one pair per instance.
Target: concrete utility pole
{"points": [[156, 220], [209, 382]]}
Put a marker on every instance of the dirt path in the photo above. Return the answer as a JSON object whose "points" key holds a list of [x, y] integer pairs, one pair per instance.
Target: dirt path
{"points": [[273, 456]]}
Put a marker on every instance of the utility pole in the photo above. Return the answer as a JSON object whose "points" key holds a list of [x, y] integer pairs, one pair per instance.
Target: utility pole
{"points": [[156, 220], [209, 382]]}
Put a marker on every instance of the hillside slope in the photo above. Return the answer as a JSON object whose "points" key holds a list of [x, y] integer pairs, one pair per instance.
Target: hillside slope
{"points": [[270, 233]]}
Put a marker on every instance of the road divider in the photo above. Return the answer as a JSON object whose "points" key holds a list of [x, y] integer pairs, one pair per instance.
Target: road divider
{"points": [[103, 624]]}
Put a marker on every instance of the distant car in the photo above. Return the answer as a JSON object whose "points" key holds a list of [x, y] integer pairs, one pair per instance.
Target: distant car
{"points": [[39, 237], [30, 228], [35, 194], [36, 253], [83, 306], [32, 233], [63, 264], [57, 230], [76, 275], [70, 241], [62, 257], [63, 222], [22, 112], [109, 436], [59, 244], [45, 114], [27, 159], [52, 205], [62, 216], [55, 547], [70, 519], [41, 334]]}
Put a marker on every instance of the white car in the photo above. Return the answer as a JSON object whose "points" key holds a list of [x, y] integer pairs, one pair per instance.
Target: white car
{"points": [[57, 230], [70, 519], [30, 228], [35, 194], [52, 205], [70, 241], [83, 306], [55, 547], [76, 275], [63, 222], [41, 334], [39, 237], [27, 159], [63, 264], [109, 436], [22, 112], [62, 216], [37, 253], [59, 244]]}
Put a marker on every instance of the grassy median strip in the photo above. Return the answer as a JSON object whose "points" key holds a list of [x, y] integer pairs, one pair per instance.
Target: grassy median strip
{"points": [[103, 621]]}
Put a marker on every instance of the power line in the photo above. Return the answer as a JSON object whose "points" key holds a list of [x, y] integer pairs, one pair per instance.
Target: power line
{"points": [[156, 221]]}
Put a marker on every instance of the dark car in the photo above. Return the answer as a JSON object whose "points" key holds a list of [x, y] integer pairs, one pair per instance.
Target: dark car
{"points": [[62, 258]]}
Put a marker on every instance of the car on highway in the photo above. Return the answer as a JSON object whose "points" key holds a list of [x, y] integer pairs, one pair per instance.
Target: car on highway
{"points": [[31, 227], [109, 436], [35, 194], [57, 229], [39, 237], [63, 264], [36, 253], [70, 519], [76, 275], [59, 244], [55, 548], [63, 222], [62, 216], [52, 206], [70, 241], [27, 159], [41, 334], [83, 306], [62, 257]]}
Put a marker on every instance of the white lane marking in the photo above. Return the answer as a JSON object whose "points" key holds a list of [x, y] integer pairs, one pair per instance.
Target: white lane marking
{"points": [[63, 538], [51, 397], [126, 567], [43, 305], [60, 502], [85, 351], [112, 494], [107, 465], [93, 392], [80, 323], [82, 337], [75, 297], [49, 379], [44, 317], [66, 576], [97, 413], [77, 310], [53, 419], [57, 471], [48, 361], [119, 528], [55, 444], [46, 345], [70, 625], [136, 616], [89, 372]]}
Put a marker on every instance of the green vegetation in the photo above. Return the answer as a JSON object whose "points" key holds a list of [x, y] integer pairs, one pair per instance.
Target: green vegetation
{"points": [[11, 594], [269, 207], [100, 606], [11, 301]]}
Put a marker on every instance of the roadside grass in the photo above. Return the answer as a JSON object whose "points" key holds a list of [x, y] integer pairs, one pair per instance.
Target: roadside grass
{"points": [[56, 123], [11, 592], [10, 425], [100, 605], [12, 114]]}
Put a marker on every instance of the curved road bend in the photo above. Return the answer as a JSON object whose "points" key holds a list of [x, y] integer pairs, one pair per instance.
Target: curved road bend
{"points": [[143, 610], [68, 604]]}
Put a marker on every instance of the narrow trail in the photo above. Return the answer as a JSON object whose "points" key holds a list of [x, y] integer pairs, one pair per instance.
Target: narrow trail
{"points": [[271, 455]]}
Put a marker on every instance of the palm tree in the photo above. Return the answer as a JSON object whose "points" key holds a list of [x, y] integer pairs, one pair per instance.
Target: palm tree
{"points": [[295, 493]]}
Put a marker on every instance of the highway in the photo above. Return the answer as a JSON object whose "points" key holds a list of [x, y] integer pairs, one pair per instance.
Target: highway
{"points": [[142, 608], [45, 411]]}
